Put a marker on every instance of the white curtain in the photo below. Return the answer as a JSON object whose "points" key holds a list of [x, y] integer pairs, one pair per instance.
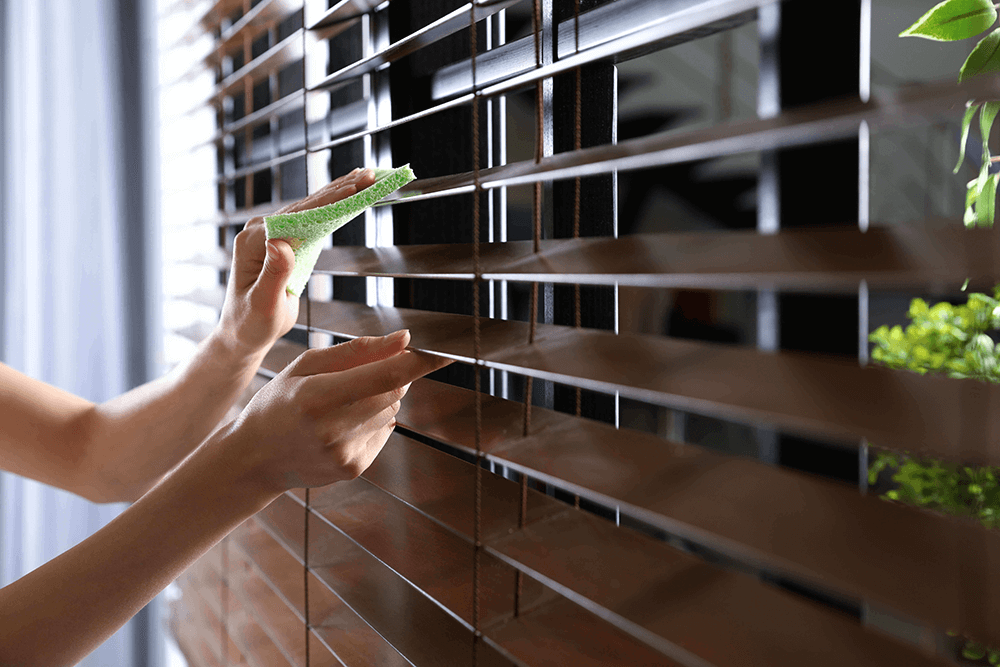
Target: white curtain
{"points": [[69, 308]]}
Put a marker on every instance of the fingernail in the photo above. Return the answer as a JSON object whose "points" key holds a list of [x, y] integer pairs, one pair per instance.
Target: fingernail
{"points": [[355, 170], [398, 336]]}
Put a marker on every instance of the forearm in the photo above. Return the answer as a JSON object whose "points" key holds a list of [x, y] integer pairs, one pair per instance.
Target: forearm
{"points": [[63, 610], [135, 438]]}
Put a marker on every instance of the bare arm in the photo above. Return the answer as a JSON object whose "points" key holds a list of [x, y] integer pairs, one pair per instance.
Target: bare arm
{"points": [[321, 420], [39, 434], [131, 441]]}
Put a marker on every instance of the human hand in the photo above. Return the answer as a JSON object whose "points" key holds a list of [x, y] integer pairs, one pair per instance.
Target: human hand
{"points": [[327, 415], [258, 310]]}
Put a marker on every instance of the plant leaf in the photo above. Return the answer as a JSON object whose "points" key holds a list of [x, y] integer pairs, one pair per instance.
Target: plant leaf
{"points": [[954, 19], [973, 651], [984, 57], [971, 194], [986, 202], [970, 111], [987, 115]]}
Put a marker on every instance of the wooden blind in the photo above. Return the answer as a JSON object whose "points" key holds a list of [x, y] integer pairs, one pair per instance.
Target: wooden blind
{"points": [[611, 474]]}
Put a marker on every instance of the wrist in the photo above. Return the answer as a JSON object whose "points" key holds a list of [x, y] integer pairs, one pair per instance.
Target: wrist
{"points": [[224, 345], [226, 459]]}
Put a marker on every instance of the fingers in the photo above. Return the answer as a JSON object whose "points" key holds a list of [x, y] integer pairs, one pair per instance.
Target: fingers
{"points": [[341, 188], [353, 353], [381, 417], [377, 377], [248, 254], [334, 191], [278, 264], [374, 411], [249, 248], [374, 446]]}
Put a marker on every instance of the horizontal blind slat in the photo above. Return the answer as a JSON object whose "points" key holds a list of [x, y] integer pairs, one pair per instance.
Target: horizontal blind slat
{"points": [[202, 597], [253, 642], [834, 259], [341, 630], [255, 118], [813, 395], [829, 121], [344, 10], [614, 24], [661, 589], [439, 563], [284, 52], [736, 506], [426, 635], [272, 613], [453, 22], [253, 23], [190, 633], [187, 635]]}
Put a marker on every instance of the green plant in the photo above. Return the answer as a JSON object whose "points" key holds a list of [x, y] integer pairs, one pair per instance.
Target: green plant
{"points": [[954, 20], [942, 486], [953, 339], [950, 340], [943, 338]]}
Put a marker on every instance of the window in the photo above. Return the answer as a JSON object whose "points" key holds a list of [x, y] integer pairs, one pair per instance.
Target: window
{"points": [[654, 273]]}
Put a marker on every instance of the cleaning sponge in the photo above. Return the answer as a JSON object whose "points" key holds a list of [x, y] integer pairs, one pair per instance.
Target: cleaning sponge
{"points": [[305, 230]]}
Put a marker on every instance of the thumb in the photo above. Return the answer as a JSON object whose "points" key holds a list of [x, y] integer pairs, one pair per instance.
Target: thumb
{"points": [[277, 269]]}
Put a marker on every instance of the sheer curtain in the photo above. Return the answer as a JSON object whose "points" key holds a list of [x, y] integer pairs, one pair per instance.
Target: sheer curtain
{"points": [[78, 298]]}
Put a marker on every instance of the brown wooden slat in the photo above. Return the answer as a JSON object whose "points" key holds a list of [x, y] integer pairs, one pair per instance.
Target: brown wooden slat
{"points": [[282, 624], [278, 567], [255, 22], [340, 630], [344, 139], [253, 168], [249, 636], [219, 11], [828, 397], [449, 24], [824, 260], [835, 538], [443, 570], [559, 627], [394, 534], [251, 640], [258, 117], [706, 496], [654, 587], [187, 636], [284, 53], [282, 353], [415, 626], [343, 11], [829, 121], [199, 588], [440, 563]]}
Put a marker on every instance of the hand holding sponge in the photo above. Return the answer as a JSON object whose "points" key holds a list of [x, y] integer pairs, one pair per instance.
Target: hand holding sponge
{"points": [[305, 230]]}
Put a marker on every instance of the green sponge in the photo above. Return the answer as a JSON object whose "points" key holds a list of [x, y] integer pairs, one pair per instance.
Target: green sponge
{"points": [[305, 230]]}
